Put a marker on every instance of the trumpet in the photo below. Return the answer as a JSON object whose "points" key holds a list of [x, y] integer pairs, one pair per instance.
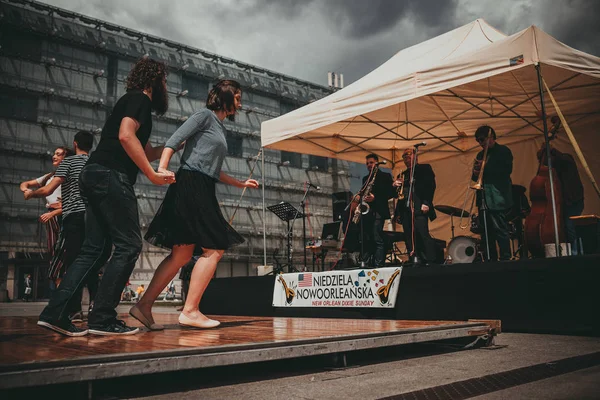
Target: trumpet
{"points": [[479, 183]]}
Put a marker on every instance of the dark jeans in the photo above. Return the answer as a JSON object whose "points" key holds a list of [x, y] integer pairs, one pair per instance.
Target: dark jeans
{"points": [[111, 219], [572, 210], [73, 234], [425, 245], [497, 224]]}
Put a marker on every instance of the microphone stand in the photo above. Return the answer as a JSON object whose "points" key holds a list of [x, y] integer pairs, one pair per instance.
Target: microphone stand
{"points": [[410, 204], [302, 206]]}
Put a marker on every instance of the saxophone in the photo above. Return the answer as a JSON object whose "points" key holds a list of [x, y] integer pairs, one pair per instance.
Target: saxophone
{"points": [[363, 207]]}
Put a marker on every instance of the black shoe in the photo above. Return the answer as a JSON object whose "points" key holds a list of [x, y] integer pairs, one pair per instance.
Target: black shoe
{"points": [[76, 316], [64, 328], [116, 328]]}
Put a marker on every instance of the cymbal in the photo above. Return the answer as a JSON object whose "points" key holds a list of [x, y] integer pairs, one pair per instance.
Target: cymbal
{"points": [[450, 210]]}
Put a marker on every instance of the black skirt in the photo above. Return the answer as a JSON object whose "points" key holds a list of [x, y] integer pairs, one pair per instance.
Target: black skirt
{"points": [[190, 214]]}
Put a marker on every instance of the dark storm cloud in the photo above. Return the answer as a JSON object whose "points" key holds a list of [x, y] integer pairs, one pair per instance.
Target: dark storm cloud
{"points": [[577, 24], [307, 38]]}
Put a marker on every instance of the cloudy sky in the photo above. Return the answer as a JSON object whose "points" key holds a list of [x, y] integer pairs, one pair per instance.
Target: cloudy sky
{"points": [[307, 38]]}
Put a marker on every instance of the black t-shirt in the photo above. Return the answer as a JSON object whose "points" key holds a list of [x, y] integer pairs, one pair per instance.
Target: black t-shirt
{"points": [[110, 153]]}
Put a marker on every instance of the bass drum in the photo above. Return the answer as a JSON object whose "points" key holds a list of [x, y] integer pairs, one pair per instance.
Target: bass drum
{"points": [[463, 249]]}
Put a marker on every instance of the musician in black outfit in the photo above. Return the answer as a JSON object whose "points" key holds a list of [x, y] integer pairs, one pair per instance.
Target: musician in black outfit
{"points": [[423, 191], [381, 192]]}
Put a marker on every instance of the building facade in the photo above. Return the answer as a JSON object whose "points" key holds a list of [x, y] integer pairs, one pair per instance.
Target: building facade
{"points": [[61, 72]]}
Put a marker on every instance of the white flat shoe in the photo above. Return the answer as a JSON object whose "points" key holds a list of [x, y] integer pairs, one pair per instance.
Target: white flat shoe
{"points": [[185, 321]]}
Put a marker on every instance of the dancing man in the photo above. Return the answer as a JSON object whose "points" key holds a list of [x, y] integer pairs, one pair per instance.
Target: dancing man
{"points": [[111, 219], [418, 240], [496, 200], [189, 221], [72, 233]]}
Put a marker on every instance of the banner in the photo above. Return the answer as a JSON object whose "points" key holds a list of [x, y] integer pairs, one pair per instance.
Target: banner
{"points": [[375, 288]]}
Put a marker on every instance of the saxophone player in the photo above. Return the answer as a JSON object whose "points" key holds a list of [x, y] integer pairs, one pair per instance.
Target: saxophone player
{"points": [[423, 191], [496, 197], [373, 236]]}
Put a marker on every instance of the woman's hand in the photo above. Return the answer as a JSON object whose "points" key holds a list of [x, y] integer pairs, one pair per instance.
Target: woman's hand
{"points": [[46, 217], [250, 183]]}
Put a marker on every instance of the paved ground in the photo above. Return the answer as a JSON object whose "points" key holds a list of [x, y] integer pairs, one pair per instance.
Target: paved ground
{"points": [[420, 370]]}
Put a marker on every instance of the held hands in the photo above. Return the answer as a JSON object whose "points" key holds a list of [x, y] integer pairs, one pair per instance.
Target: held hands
{"points": [[369, 198], [250, 183], [27, 194]]}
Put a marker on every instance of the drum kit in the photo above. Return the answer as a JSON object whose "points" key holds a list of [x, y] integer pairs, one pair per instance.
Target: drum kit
{"points": [[462, 249]]}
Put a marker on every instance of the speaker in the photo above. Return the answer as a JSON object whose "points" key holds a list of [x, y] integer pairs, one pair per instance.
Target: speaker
{"points": [[339, 202]]}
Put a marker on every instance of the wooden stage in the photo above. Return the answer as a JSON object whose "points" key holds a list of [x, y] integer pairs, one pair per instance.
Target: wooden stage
{"points": [[33, 356]]}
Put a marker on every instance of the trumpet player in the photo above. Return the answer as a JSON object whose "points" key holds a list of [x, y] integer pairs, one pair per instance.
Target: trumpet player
{"points": [[495, 198], [373, 236], [422, 200]]}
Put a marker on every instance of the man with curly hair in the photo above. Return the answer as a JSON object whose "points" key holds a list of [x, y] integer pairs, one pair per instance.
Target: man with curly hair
{"points": [[106, 186]]}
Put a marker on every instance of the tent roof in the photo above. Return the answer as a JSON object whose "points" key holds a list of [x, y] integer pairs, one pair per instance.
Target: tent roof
{"points": [[440, 91]]}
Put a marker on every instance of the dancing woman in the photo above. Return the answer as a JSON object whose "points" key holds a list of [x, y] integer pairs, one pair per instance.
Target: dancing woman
{"points": [[52, 218], [189, 221]]}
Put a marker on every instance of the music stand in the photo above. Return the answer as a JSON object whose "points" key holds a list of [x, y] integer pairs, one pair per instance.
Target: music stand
{"points": [[286, 212]]}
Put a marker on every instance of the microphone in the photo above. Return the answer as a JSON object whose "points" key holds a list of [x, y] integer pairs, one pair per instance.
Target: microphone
{"points": [[421, 144], [381, 162], [314, 186]]}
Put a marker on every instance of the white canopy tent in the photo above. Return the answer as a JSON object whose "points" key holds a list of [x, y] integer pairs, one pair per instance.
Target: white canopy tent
{"points": [[440, 91]]}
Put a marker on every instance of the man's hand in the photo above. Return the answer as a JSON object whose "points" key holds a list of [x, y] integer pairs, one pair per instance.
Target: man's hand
{"points": [[162, 177], [369, 198], [27, 194], [424, 208], [45, 217], [397, 183], [250, 183]]}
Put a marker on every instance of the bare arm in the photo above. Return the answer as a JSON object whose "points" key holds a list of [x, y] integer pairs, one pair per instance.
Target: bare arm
{"points": [[153, 153], [132, 146], [230, 180], [45, 190], [27, 185], [49, 215]]}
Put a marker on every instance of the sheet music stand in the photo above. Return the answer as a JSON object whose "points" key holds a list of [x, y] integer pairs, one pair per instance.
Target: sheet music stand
{"points": [[287, 212]]}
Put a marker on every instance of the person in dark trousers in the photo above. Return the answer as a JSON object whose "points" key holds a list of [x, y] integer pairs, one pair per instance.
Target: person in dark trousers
{"points": [[106, 185], [374, 239], [423, 191], [72, 231], [497, 191]]}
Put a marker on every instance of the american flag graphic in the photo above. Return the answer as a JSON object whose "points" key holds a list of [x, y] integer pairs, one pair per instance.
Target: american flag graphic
{"points": [[305, 280]]}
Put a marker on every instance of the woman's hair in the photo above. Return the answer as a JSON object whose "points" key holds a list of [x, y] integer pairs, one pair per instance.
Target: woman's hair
{"points": [[68, 152], [148, 73], [221, 96]]}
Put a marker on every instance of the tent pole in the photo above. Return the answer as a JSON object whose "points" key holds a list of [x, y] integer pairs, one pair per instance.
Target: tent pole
{"points": [[578, 151], [262, 174], [548, 157]]}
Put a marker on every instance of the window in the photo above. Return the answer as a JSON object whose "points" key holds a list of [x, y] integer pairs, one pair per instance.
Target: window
{"points": [[318, 163], [295, 159], [234, 144], [286, 107], [18, 105], [197, 88]]}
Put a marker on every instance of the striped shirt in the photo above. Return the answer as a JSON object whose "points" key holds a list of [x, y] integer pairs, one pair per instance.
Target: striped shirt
{"points": [[69, 169]]}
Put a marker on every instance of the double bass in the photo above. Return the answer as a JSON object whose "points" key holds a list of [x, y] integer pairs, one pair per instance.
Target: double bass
{"points": [[539, 224]]}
